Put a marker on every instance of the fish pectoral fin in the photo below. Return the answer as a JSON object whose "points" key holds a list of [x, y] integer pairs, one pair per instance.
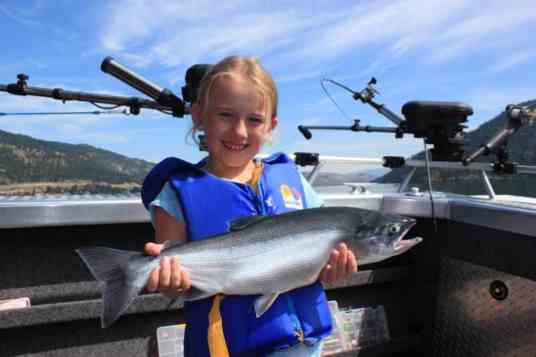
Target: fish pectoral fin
{"points": [[244, 222], [263, 303], [196, 294], [171, 243]]}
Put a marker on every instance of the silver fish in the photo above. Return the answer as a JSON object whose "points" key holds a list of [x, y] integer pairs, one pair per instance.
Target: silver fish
{"points": [[265, 255]]}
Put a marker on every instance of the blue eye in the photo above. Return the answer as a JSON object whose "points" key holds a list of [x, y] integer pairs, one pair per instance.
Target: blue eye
{"points": [[225, 114], [256, 120]]}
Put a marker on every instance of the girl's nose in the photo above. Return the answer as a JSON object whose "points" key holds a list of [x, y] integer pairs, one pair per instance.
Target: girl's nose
{"points": [[240, 127]]}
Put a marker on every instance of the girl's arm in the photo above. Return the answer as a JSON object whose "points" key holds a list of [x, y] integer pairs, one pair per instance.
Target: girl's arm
{"points": [[168, 228], [168, 279]]}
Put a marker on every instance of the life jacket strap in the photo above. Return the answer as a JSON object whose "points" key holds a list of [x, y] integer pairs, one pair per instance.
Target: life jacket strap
{"points": [[215, 336]]}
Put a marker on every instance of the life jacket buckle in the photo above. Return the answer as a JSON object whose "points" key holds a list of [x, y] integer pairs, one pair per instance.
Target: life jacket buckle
{"points": [[299, 335]]}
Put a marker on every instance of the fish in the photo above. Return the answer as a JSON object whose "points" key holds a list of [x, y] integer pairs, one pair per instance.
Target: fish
{"points": [[259, 255]]}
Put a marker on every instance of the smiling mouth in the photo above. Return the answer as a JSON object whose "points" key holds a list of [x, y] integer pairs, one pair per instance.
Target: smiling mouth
{"points": [[234, 147]]}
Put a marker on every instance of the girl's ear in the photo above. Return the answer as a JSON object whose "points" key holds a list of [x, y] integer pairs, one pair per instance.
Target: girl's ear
{"points": [[274, 122]]}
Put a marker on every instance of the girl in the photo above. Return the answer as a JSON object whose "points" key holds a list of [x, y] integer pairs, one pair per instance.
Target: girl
{"points": [[237, 110]]}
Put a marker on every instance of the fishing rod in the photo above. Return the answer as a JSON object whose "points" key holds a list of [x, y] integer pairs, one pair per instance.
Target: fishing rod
{"points": [[439, 123], [133, 103], [162, 99], [94, 112]]}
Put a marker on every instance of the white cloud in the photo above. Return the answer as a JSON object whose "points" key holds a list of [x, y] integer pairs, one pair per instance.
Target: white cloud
{"points": [[395, 26], [174, 33], [298, 76], [300, 41], [250, 34], [482, 27], [357, 145], [512, 60], [489, 102], [489, 99], [64, 127], [68, 129], [136, 60], [103, 137], [18, 16], [130, 22]]}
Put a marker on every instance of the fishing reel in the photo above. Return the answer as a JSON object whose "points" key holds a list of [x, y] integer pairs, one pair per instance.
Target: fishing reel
{"points": [[162, 99], [441, 124], [517, 116], [193, 78]]}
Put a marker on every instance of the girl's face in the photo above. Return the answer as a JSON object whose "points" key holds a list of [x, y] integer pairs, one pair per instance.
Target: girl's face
{"points": [[237, 122]]}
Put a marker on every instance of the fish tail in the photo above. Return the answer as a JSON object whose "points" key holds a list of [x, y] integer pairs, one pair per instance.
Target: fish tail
{"points": [[122, 283]]}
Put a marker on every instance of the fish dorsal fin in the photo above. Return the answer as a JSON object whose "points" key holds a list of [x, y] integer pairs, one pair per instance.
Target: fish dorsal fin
{"points": [[244, 222], [263, 303]]}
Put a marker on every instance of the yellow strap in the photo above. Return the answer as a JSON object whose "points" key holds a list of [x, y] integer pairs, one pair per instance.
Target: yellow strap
{"points": [[255, 177], [216, 339]]}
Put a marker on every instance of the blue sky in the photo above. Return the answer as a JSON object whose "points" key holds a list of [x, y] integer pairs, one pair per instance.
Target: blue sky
{"points": [[479, 52]]}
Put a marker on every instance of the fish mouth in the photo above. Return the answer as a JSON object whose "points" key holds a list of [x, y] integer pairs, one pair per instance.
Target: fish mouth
{"points": [[402, 245]]}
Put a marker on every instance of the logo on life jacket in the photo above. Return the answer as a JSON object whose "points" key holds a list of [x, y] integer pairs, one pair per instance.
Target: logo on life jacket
{"points": [[291, 197]]}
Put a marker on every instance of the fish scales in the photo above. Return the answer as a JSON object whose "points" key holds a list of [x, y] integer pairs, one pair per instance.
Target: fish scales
{"points": [[260, 255], [262, 236]]}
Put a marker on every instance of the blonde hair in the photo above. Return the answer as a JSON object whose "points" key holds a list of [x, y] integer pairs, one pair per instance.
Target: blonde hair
{"points": [[242, 68]]}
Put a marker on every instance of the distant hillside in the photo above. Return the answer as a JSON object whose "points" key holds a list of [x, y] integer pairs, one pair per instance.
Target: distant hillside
{"points": [[521, 149], [28, 164], [334, 179]]}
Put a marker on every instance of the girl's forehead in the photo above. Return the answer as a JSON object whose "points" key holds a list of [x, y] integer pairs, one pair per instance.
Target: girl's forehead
{"points": [[231, 90]]}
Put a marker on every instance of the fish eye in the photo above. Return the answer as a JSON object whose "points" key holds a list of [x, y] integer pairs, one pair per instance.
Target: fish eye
{"points": [[393, 229]]}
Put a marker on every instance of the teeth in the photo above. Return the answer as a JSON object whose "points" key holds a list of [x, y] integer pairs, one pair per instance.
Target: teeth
{"points": [[234, 147]]}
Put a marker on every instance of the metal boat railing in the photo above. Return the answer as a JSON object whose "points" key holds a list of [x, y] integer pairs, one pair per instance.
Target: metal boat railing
{"points": [[57, 210], [433, 296], [483, 168]]}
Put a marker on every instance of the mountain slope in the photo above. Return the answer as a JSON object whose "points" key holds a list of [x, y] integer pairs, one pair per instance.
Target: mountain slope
{"points": [[24, 159]]}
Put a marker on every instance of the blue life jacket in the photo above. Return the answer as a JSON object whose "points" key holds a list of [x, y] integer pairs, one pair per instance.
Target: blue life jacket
{"points": [[208, 205]]}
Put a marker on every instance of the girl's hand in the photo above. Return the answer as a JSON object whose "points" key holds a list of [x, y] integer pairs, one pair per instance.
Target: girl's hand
{"points": [[168, 278], [342, 263]]}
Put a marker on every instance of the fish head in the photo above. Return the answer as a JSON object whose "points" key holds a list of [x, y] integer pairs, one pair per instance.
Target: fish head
{"points": [[382, 238]]}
